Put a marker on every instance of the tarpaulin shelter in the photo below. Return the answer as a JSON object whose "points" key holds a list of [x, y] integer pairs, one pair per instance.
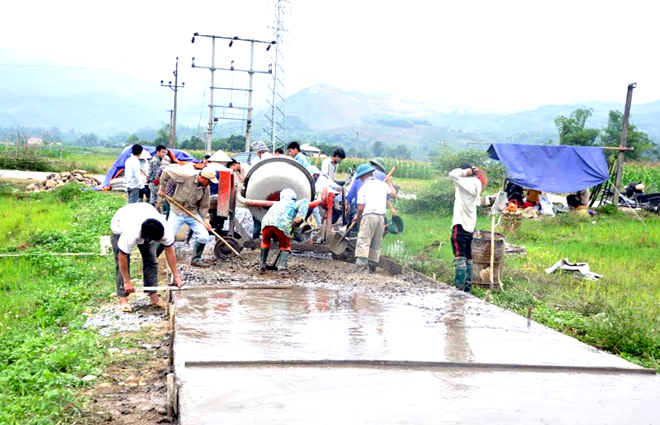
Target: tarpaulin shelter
{"points": [[177, 156], [554, 169]]}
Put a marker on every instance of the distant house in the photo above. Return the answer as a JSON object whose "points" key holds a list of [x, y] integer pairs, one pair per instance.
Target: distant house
{"points": [[35, 141], [309, 150]]}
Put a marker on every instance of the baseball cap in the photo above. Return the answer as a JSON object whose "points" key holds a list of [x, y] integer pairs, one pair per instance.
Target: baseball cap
{"points": [[209, 173]]}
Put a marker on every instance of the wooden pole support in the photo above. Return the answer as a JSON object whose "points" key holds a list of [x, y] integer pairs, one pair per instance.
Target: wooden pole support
{"points": [[170, 394], [492, 251], [172, 201]]}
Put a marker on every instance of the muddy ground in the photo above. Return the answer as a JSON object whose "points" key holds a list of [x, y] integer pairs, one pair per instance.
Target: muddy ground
{"points": [[305, 269]]}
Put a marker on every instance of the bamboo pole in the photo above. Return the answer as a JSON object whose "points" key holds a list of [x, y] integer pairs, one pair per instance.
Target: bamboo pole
{"points": [[492, 251], [202, 223]]}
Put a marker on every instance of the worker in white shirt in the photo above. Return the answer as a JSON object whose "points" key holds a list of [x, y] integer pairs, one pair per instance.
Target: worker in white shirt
{"points": [[141, 225], [329, 165], [321, 182], [372, 203], [133, 174], [469, 182]]}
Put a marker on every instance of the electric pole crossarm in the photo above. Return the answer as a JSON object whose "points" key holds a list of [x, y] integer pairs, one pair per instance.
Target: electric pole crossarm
{"points": [[229, 88]]}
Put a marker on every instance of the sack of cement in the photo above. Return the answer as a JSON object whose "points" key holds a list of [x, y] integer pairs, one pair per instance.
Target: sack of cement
{"points": [[499, 204]]}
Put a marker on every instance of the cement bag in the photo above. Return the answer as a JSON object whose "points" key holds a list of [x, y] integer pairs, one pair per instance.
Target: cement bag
{"points": [[501, 202], [546, 206]]}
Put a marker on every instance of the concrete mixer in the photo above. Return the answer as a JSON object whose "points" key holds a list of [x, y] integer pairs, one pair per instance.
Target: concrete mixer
{"points": [[261, 188]]}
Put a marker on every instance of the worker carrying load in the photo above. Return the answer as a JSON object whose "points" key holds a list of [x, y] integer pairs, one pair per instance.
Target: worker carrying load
{"points": [[139, 224], [192, 193], [372, 203], [278, 222], [469, 182]]}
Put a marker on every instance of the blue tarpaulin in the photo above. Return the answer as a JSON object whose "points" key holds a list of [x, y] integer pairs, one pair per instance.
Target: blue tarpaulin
{"points": [[123, 156], [554, 169]]}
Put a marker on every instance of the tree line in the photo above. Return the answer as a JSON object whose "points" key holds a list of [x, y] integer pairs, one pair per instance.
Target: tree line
{"points": [[573, 131]]}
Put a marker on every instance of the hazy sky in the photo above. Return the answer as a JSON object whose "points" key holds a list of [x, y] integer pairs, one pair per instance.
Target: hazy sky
{"points": [[481, 55]]}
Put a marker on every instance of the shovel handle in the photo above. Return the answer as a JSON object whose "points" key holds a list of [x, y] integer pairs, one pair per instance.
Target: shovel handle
{"points": [[203, 224], [391, 173]]}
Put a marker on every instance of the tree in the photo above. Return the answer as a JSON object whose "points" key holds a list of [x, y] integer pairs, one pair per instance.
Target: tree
{"points": [[132, 139], [572, 130], [163, 136], [378, 148], [611, 136], [194, 143]]}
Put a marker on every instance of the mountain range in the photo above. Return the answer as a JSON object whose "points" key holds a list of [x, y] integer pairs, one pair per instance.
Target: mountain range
{"points": [[106, 102]]}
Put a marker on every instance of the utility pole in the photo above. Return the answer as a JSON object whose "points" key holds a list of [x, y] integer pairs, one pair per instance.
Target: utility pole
{"points": [[175, 87], [248, 126], [622, 146], [171, 111], [250, 71]]}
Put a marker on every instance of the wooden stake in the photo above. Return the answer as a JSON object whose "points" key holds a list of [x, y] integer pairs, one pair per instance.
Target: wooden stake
{"points": [[492, 251]]}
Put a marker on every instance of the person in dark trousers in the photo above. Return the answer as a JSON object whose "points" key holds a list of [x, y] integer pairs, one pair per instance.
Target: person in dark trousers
{"points": [[469, 182], [141, 225], [133, 174]]}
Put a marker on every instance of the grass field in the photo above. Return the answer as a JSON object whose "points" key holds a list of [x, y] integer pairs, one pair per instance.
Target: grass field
{"points": [[44, 352], [620, 313]]}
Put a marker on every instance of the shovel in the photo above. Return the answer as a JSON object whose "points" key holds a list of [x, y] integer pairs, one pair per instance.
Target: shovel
{"points": [[339, 243]]}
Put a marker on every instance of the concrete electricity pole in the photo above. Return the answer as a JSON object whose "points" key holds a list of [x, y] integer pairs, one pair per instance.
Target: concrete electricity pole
{"points": [[171, 111], [175, 87], [622, 146], [250, 71]]}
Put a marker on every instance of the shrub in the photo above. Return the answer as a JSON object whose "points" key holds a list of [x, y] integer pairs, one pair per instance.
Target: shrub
{"points": [[437, 198]]}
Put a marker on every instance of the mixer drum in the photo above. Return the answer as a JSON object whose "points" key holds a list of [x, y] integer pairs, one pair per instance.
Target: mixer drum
{"points": [[269, 177]]}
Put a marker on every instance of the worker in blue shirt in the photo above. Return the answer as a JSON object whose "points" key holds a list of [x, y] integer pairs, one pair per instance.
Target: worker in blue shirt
{"points": [[294, 152]]}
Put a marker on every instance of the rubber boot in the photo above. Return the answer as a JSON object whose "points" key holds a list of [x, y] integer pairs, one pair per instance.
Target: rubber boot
{"points": [[460, 270], [284, 258], [198, 249], [372, 267], [362, 264], [263, 256], [469, 272]]}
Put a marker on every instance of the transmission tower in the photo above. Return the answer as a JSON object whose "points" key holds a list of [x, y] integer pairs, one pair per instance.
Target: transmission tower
{"points": [[275, 118]]}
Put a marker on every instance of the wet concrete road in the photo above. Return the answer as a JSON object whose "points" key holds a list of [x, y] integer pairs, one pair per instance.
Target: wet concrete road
{"points": [[224, 340]]}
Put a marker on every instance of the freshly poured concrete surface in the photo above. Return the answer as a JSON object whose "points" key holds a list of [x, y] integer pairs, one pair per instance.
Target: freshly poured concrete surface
{"points": [[400, 396], [316, 324]]}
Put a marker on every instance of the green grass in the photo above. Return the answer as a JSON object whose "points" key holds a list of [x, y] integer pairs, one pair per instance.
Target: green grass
{"points": [[60, 158], [620, 313], [43, 349]]}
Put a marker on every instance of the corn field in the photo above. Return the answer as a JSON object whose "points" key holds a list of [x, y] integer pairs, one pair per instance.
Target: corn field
{"points": [[404, 169], [645, 172]]}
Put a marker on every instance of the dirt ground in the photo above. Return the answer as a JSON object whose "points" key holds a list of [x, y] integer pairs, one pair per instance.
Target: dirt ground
{"points": [[133, 389]]}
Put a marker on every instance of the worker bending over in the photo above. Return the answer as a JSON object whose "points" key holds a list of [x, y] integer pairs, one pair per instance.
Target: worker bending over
{"points": [[191, 191], [469, 182], [278, 223], [140, 225], [372, 201]]}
